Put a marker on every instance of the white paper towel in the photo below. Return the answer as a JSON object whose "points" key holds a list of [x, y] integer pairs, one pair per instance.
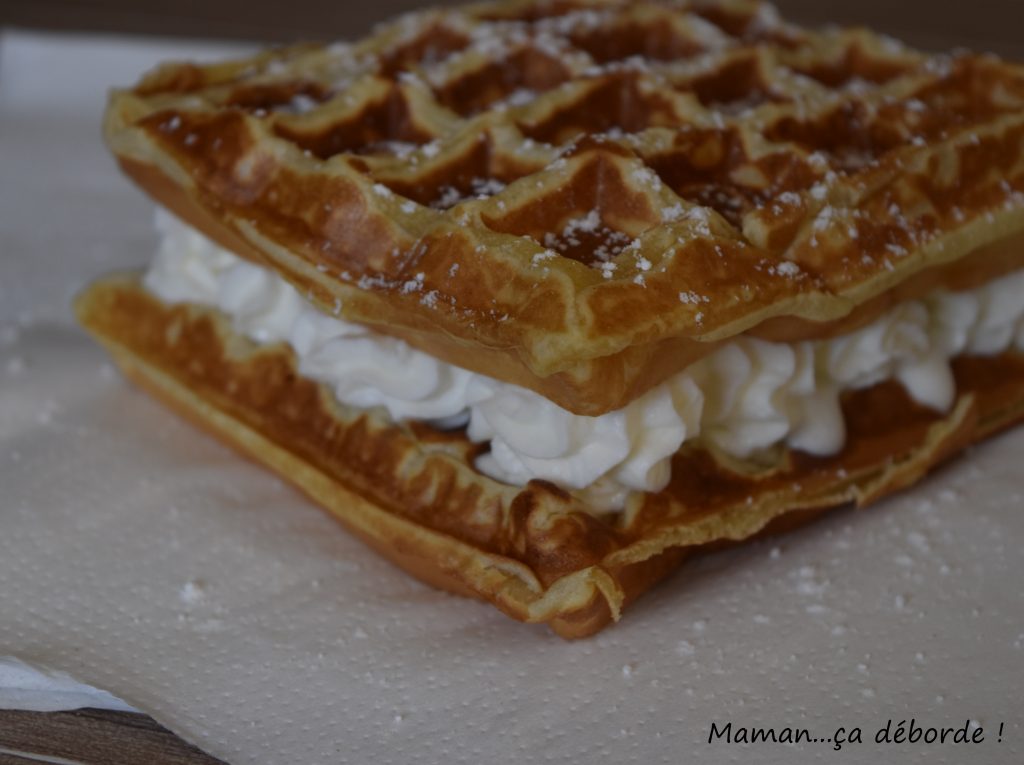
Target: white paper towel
{"points": [[142, 557], [45, 690]]}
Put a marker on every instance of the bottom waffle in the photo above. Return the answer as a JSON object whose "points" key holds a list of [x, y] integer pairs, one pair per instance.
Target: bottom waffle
{"points": [[535, 552]]}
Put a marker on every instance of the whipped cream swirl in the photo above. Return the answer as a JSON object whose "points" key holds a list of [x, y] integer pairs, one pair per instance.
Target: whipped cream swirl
{"points": [[746, 396]]}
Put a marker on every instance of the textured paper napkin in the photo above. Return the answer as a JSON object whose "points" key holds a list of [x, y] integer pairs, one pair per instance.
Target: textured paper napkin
{"points": [[45, 690], [143, 558]]}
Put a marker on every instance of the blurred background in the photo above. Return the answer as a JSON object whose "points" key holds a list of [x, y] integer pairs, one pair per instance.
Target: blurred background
{"points": [[993, 25]]}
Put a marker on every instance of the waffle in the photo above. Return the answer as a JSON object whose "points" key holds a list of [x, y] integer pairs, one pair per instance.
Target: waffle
{"points": [[581, 197], [536, 553]]}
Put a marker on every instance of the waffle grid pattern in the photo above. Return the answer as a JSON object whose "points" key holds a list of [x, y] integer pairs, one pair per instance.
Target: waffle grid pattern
{"points": [[570, 178]]}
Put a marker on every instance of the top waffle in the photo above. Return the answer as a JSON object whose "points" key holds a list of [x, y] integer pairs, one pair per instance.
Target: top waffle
{"points": [[582, 196]]}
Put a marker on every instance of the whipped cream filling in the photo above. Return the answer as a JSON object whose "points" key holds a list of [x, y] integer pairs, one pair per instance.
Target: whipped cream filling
{"points": [[745, 397]]}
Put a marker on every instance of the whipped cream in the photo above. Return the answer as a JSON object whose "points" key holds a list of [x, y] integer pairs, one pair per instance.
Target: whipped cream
{"points": [[745, 397]]}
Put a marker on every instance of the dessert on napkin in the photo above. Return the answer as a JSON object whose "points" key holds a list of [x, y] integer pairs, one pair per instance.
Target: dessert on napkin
{"points": [[540, 297]]}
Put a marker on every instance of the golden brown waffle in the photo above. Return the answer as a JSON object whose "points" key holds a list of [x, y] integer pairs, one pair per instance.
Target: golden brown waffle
{"points": [[583, 196], [536, 553]]}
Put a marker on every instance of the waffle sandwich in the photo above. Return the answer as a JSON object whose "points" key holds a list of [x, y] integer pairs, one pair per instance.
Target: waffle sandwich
{"points": [[539, 297]]}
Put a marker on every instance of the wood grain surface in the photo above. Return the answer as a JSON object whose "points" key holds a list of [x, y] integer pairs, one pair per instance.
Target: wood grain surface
{"points": [[92, 737], [97, 737]]}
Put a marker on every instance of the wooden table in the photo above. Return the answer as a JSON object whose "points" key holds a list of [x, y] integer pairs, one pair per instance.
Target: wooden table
{"points": [[96, 737], [92, 737]]}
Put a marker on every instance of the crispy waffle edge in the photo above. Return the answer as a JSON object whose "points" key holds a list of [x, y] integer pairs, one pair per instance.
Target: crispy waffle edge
{"points": [[411, 493]]}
